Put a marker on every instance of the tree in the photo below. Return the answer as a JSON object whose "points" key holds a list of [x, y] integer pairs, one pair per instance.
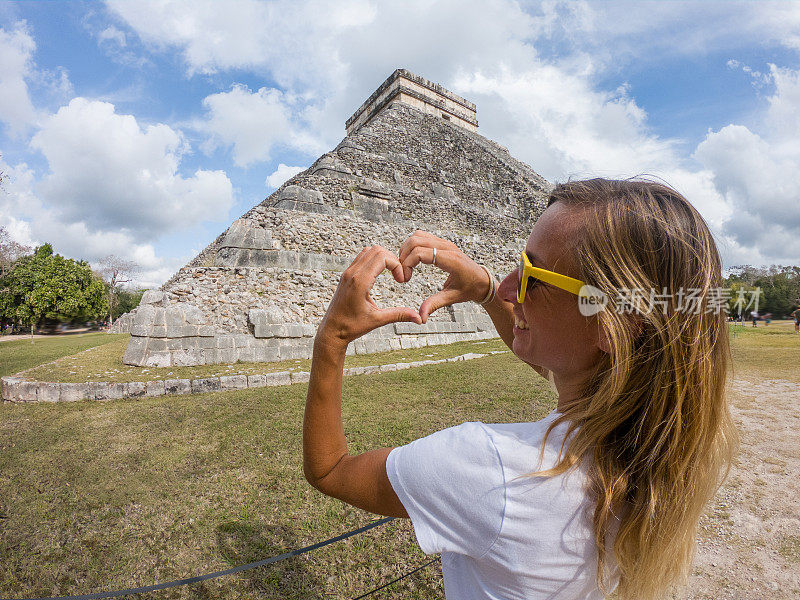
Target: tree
{"points": [[10, 251], [780, 287], [45, 285], [116, 271]]}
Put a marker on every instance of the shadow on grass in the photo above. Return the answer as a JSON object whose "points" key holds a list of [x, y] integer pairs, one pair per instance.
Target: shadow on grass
{"points": [[241, 544]]}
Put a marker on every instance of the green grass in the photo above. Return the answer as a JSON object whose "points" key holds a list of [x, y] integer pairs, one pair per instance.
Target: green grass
{"points": [[103, 496], [104, 363], [771, 351], [19, 355]]}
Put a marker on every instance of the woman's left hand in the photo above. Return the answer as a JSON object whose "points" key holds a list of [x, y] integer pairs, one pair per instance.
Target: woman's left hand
{"points": [[352, 311]]}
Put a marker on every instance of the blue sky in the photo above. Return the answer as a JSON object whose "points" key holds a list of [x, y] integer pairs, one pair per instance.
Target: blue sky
{"points": [[143, 129]]}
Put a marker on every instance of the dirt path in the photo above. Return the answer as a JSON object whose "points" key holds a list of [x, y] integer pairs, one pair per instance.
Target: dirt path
{"points": [[750, 543]]}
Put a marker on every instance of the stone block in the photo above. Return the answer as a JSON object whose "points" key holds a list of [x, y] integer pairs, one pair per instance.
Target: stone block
{"points": [[174, 317], [388, 368], [300, 376], [256, 381], [242, 340], [159, 318], [269, 354], [192, 314], [409, 328], [173, 331], [141, 330], [97, 390], [158, 359], [174, 344], [48, 392], [186, 358], [72, 392], [247, 354], [190, 330], [190, 343], [155, 388], [257, 316], [27, 391], [209, 356], [9, 387], [207, 384], [394, 344], [158, 331], [294, 330], [295, 352], [157, 345], [224, 341], [152, 297], [278, 378], [144, 315], [205, 343], [226, 356], [116, 391], [177, 386], [309, 330], [233, 382], [263, 330], [134, 389], [206, 331], [408, 342]]}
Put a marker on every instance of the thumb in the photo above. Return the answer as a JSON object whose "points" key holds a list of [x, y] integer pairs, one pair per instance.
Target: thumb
{"points": [[398, 314], [437, 301]]}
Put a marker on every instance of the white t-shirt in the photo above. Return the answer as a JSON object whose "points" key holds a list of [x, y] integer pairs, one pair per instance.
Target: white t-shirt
{"points": [[531, 538]]}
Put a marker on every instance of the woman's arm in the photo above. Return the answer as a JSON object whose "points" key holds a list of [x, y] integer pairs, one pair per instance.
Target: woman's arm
{"points": [[358, 480]]}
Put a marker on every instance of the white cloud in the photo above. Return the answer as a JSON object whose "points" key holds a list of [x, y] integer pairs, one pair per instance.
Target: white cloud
{"points": [[254, 123], [32, 223], [108, 172], [756, 172], [112, 35], [16, 65], [281, 174]]}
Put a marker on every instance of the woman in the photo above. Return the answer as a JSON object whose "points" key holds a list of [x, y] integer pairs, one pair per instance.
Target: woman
{"points": [[606, 492]]}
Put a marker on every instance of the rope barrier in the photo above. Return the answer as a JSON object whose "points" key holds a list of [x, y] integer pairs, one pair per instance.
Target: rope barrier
{"points": [[253, 565], [398, 579]]}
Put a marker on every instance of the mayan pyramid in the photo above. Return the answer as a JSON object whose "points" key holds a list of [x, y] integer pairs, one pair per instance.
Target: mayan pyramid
{"points": [[412, 159]]}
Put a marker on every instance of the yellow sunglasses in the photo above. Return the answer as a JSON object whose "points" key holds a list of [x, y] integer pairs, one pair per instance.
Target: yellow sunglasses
{"points": [[528, 271]]}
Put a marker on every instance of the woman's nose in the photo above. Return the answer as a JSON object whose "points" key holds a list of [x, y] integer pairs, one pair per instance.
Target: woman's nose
{"points": [[508, 288]]}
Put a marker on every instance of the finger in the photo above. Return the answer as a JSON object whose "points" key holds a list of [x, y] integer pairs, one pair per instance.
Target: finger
{"points": [[398, 314], [437, 301], [376, 260]]}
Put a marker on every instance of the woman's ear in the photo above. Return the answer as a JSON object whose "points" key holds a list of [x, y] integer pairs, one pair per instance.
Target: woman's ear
{"points": [[634, 322]]}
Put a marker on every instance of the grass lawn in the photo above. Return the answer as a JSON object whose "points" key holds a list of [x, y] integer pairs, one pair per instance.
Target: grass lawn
{"points": [[767, 351], [23, 354], [104, 496], [104, 363]]}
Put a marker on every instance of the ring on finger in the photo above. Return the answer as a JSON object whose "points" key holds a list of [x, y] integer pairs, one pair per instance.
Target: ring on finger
{"points": [[434, 257]]}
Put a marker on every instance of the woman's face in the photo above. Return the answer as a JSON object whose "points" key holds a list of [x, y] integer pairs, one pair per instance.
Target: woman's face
{"points": [[549, 330]]}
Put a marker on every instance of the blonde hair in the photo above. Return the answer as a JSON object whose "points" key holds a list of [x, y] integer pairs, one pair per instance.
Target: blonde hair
{"points": [[653, 416]]}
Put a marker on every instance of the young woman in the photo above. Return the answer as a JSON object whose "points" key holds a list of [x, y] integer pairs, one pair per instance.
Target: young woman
{"points": [[606, 492]]}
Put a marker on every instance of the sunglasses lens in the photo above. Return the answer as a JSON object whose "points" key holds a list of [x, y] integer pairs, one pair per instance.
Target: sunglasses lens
{"points": [[521, 270]]}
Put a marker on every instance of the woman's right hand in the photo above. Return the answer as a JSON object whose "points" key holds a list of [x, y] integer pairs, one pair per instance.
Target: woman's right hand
{"points": [[467, 280]]}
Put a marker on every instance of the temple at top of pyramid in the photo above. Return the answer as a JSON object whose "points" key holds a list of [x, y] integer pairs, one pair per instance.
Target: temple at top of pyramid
{"points": [[412, 159]]}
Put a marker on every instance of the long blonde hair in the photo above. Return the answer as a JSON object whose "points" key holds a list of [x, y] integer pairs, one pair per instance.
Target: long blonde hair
{"points": [[653, 416]]}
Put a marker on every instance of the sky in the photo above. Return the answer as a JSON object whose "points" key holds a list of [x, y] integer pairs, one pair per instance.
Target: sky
{"points": [[143, 129]]}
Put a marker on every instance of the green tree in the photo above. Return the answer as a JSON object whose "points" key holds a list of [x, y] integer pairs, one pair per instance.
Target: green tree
{"points": [[128, 300], [780, 287], [45, 285]]}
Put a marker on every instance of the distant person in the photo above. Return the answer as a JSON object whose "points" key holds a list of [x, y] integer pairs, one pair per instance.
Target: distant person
{"points": [[796, 316], [754, 315], [606, 491]]}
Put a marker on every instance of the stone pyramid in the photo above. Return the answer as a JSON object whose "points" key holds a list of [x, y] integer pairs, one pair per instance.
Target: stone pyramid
{"points": [[412, 159]]}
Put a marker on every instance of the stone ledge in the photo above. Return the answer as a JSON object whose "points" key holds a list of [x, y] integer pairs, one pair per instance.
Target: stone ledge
{"points": [[17, 389]]}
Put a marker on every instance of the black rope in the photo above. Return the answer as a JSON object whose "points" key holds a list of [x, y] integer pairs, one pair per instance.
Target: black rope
{"points": [[398, 579], [253, 565]]}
